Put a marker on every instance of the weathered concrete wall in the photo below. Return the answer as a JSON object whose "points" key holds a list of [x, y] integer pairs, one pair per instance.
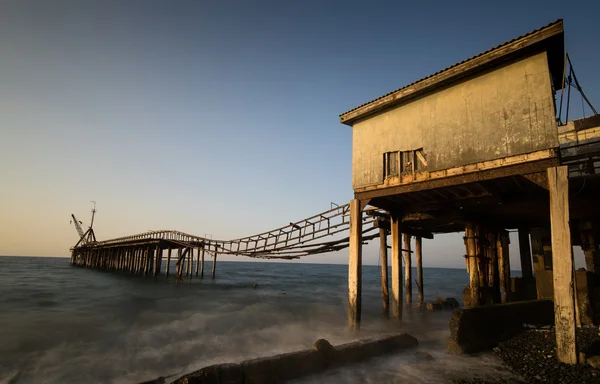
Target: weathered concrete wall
{"points": [[480, 328], [508, 111], [289, 366]]}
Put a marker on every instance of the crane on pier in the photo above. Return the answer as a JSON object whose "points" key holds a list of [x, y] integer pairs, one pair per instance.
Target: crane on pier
{"points": [[88, 236]]}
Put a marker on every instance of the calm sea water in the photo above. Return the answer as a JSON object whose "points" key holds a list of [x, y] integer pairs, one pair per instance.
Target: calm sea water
{"points": [[64, 324]]}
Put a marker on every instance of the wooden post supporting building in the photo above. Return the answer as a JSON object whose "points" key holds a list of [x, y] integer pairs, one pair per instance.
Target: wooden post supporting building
{"points": [[562, 261], [355, 265], [385, 296], [473, 264], [407, 269], [419, 258], [396, 266], [502, 242], [525, 251]]}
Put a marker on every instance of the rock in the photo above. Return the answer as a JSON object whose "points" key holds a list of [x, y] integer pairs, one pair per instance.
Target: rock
{"points": [[433, 306], [594, 361], [422, 355], [448, 302], [323, 345]]}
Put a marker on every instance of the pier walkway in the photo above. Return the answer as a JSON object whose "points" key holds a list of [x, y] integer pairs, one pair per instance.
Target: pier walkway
{"points": [[142, 253]]}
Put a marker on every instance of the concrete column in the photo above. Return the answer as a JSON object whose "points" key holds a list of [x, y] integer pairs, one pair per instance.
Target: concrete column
{"points": [[562, 261], [396, 266], [355, 265], [525, 252], [385, 296]]}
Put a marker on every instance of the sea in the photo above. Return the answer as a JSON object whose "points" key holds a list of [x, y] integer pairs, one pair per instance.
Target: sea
{"points": [[65, 324]]}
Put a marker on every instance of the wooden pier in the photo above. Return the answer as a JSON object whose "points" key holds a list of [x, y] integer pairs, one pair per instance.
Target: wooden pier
{"points": [[143, 253]]}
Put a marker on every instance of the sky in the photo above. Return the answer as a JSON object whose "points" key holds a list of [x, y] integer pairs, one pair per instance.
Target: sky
{"points": [[220, 118]]}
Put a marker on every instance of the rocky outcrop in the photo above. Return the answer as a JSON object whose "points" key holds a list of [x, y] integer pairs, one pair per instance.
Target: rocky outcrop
{"points": [[481, 328]]}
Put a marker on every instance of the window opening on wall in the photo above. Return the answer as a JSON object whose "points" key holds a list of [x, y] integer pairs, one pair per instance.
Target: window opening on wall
{"points": [[401, 163]]}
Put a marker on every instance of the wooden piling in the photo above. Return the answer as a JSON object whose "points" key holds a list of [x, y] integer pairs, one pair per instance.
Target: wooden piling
{"points": [[202, 262], [396, 266], [214, 266], [168, 262], [525, 251], [385, 296], [419, 259], [407, 269], [589, 246], [178, 265], [502, 242], [494, 268], [562, 261], [473, 264], [191, 260], [355, 265], [197, 262]]}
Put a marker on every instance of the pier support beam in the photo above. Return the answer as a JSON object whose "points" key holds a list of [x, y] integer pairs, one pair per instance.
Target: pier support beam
{"points": [[589, 246], [502, 242], [385, 295], [562, 261], [471, 245], [168, 263], [214, 266], [396, 265], [407, 269], [197, 262], [355, 265], [525, 252], [494, 268], [419, 259], [202, 262]]}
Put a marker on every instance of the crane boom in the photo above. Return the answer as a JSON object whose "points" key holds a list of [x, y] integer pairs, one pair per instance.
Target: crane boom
{"points": [[78, 227]]}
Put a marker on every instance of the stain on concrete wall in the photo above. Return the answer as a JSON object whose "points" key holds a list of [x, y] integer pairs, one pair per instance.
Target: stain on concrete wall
{"points": [[505, 112]]}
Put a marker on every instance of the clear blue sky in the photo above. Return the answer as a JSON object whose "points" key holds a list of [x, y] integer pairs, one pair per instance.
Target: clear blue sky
{"points": [[219, 117]]}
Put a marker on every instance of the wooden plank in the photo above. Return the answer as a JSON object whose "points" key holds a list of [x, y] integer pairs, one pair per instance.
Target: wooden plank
{"points": [[421, 158], [396, 266], [355, 265], [419, 257], [453, 73], [562, 261], [385, 295]]}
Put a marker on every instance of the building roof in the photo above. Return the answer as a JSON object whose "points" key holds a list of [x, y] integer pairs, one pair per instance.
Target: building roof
{"points": [[549, 38]]}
